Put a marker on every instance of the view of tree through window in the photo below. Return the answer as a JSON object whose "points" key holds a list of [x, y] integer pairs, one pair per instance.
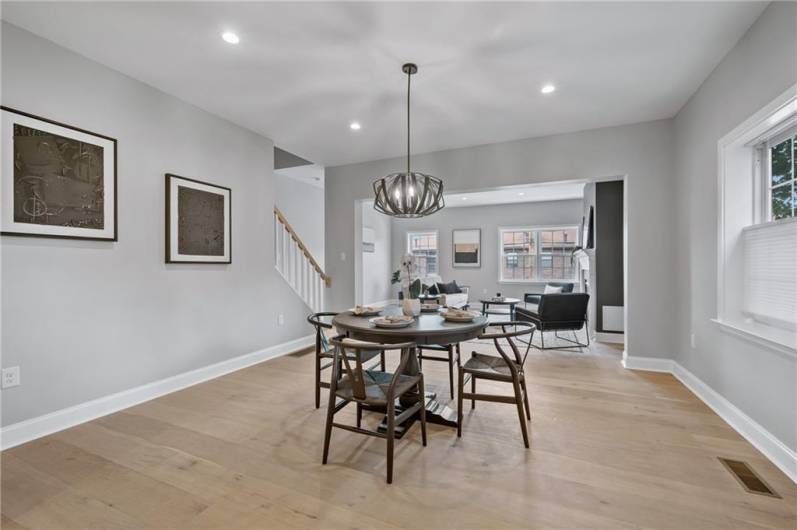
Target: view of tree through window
{"points": [[538, 254], [782, 188], [423, 245]]}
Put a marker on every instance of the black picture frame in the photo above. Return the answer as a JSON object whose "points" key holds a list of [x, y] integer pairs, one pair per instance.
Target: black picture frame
{"points": [[171, 227], [10, 226]]}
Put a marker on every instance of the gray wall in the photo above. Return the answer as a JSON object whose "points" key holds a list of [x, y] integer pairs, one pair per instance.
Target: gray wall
{"points": [[84, 319], [302, 204], [484, 280], [642, 151], [378, 265], [761, 382]]}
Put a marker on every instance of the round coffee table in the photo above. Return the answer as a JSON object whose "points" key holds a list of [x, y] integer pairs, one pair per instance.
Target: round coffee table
{"points": [[511, 302]]}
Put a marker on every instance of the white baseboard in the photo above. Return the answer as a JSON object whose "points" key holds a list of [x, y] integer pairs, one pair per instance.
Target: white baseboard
{"points": [[763, 440], [649, 364], [617, 338], [25, 431]]}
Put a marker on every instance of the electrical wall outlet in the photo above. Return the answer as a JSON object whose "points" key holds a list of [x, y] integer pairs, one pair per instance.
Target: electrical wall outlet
{"points": [[342, 256], [280, 319], [692, 341], [11, 377]]}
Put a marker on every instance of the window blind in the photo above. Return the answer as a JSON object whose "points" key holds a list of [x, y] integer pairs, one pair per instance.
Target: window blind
{"points": [[770, 273]]}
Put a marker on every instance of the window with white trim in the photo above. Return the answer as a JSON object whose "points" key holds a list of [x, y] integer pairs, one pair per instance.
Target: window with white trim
{"points": [[423, 246], [537, 254], [757, 252]]}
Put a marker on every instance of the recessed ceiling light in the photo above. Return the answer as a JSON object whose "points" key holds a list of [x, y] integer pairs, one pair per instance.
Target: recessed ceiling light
{"points": [[464, 198], [230, 37], [355, 126], [547, 89], [522, 193]]}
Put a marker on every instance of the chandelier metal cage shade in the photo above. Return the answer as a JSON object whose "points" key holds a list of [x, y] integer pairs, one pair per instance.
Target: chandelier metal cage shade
{"points": [[408, 194]]}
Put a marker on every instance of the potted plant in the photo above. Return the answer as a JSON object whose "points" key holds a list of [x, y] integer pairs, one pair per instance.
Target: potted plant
{"points": [[410, 289]]}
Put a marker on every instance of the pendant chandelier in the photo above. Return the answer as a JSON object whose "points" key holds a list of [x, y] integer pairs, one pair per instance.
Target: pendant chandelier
{"points": [[408, 194]]}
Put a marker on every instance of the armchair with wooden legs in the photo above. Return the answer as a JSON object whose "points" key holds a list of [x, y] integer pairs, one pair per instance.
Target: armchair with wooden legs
{"points": [[322, 322], [506, 368], [352, 383]]}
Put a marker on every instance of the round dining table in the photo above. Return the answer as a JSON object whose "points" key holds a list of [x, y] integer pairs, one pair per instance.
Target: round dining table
{"points": [[428, 328]]}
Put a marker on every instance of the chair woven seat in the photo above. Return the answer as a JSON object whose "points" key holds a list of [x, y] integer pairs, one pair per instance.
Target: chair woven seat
{"points": [[376, 386], [480, 362], [367, 355]]}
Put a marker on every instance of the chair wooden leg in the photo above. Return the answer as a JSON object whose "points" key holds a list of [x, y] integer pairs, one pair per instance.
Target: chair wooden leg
{"points": [[472, 389], [460, 390], [526, 397], [317, 381], [330, 416], [520, 413], [390, 434], [382, 361], [451, 370], [359, 415], [422, 397], [420, 358]]}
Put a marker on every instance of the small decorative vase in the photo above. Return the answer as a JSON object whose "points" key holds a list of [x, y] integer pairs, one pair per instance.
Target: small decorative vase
{"points": [[411, 307]]}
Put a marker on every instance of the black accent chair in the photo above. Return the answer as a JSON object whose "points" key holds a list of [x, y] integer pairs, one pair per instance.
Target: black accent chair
{"points": [[534, 298], [558, 312], [322, 322]]}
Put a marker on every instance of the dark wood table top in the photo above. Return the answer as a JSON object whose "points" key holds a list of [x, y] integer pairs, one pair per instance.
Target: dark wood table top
{"points": [[506, 301], [428, 328]]}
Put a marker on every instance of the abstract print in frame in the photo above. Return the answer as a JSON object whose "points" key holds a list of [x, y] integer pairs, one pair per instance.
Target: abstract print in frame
{"points": [[198, 221], [57, 180], [467, 247]]}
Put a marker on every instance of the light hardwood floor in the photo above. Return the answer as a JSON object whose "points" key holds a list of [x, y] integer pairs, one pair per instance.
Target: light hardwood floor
{"points": [[610, 448]]}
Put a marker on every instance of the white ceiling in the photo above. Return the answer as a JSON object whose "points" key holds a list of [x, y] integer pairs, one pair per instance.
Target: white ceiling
{"points": [[312, 174], [303, 71], [516, 194]]}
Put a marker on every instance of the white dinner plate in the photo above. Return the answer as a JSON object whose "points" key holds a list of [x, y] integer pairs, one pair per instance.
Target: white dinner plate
{"points": [[380, 322]]}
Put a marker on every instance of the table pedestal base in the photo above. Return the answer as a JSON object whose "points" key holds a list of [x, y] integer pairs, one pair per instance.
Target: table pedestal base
{"points": [[436, 412]]}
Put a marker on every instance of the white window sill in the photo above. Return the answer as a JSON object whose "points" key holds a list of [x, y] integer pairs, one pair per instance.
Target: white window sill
{"points": [[779, 340]]}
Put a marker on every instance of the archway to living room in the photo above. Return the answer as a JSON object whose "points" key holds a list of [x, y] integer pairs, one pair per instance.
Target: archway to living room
{"points": [[512, 242]]}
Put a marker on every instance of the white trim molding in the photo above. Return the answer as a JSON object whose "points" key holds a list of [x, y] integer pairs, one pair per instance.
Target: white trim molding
{"points": [[614, 338], [27, 430], [775, 450]]}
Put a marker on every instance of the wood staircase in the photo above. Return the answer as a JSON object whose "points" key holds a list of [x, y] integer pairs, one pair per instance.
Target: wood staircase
{"points": [[297, 266]]}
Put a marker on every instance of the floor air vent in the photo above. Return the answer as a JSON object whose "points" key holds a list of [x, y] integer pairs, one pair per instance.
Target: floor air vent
{"points": [[748, 478]]}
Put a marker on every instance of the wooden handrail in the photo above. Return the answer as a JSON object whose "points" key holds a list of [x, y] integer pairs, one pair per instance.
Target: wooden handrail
{"points": [[327, 279]]}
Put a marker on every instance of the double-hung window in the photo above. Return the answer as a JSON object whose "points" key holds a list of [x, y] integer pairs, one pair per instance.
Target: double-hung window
{"points": [[770, 246], [423, 246], [757, 244], [537, 254]]}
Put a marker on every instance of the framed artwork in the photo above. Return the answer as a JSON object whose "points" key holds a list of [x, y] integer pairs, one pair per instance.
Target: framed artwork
{"points": [[56, 180], [198, 221], [467, 247]]}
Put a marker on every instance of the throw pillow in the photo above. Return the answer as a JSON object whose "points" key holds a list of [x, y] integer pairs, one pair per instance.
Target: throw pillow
{"points": [[552, 289], [449, 288], [434, 290]]}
